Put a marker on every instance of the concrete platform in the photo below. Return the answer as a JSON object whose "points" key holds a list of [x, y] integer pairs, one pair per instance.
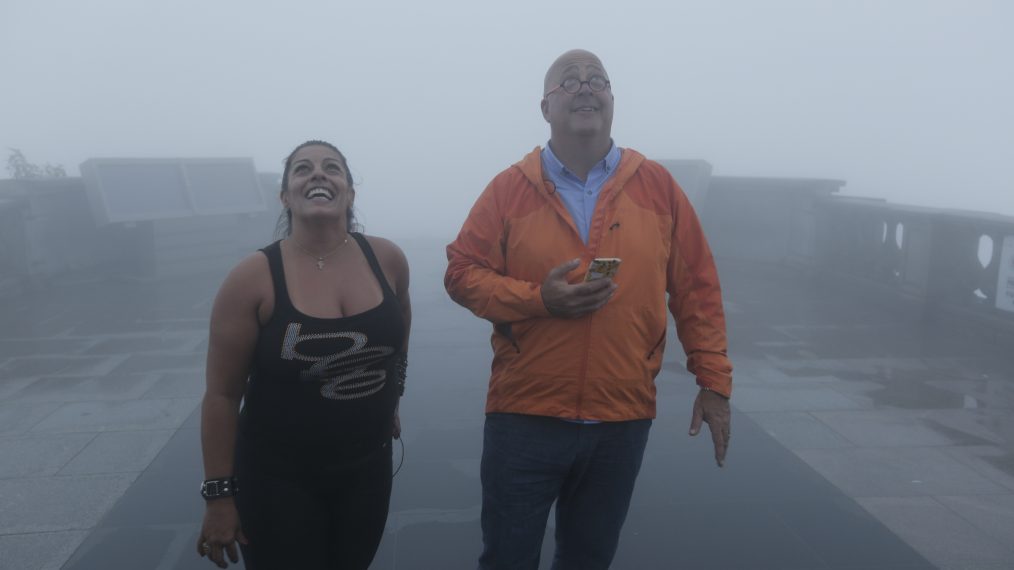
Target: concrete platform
{"points": [[861, 440]]}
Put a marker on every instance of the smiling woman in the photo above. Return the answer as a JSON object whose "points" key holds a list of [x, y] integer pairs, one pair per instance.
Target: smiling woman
{"points": [[311, 335], [337, 164]]}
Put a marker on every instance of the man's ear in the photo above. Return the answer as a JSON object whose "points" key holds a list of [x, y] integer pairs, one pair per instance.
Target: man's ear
{"points": [[545, 109]]}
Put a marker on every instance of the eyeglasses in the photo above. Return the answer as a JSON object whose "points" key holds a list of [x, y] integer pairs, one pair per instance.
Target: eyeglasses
{"points": [[572, 85]]}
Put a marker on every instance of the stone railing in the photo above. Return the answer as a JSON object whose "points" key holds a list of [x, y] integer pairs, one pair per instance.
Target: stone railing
{"points": [[943, 260], [48, 230], [770, 220], [938, 262]]}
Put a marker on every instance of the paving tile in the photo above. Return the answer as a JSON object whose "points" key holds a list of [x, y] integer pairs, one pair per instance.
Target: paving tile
{"points": [[19, 417], [765, 376], [136, 344], [39, 455], [193, 421], [166, 493], [973, 566], [993, 515], [844, 535], [892, 395], [198, 325], [117, 416], [920, 395], [127, 324], [893, 428], [13, 347], [70, 389], [974, 426], [678, 469], [445, 439], [60, 365], [32, 322], [944, 537], [163, 362], [988, 391], [762, 371], [153, 546], [772, 399], [687, 538], [33, 366], [799, 430], [415, 546], [993, 462], [200, 347], [114, 452], [868, 368], [435, 484], [897, 472], [189, 384], [38, 550], [9, 386], [58, 503]]}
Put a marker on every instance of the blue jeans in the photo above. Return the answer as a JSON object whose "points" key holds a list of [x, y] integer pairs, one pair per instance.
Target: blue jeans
{"points": [[588, 469]]}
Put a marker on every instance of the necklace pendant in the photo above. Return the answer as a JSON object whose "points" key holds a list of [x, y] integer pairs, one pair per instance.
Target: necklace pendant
{"points": [[320, 264]]}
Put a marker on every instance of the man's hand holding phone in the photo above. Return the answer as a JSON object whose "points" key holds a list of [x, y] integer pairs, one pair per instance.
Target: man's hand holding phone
{"points": [[566, 300]]}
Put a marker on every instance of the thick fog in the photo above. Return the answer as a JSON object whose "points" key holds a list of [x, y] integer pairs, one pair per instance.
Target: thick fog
{"points": [[905, 100]]}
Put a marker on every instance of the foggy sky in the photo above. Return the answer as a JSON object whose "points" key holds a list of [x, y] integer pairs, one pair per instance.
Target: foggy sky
{"points": [[906, 100]]}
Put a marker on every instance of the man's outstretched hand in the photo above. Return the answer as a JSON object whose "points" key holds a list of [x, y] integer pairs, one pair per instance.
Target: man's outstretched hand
{"points": [[713, 408], [568, 301]]}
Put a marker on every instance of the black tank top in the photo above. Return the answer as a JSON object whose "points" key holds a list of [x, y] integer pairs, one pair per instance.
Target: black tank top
{"points": [[323, 385]]}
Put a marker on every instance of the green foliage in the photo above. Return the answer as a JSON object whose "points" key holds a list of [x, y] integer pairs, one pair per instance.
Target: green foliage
{"points": [[20, 169]]}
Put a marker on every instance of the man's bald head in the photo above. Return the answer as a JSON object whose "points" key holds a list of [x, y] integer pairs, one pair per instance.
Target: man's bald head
{"points": [[572, 58]]}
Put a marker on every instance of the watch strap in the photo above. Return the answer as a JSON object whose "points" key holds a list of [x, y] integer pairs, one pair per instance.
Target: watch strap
{"points": [[219, 488]]}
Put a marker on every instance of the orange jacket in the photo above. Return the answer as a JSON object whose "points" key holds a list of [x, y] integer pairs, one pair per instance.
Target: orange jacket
{"points": [[601, 366]]}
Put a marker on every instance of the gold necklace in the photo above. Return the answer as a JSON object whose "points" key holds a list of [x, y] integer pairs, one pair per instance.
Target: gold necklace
{"points": [[320, 258]]}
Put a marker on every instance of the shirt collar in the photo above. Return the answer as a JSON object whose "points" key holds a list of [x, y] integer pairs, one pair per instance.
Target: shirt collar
{"points": [[608, 163]]}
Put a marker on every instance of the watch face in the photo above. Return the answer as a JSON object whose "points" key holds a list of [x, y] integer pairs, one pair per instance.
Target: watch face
{"points": [[215, 488]]}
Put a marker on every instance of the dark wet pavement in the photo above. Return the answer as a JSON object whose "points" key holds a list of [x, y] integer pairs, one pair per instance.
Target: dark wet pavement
{"points": [[861, 439]]}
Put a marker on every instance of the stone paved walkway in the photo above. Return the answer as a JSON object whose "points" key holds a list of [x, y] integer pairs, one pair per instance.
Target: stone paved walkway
{"points": [[861, 440]]}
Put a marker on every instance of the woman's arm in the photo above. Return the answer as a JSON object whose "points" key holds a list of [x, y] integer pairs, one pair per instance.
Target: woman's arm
{"points": [[395, 267], [235, 320]]}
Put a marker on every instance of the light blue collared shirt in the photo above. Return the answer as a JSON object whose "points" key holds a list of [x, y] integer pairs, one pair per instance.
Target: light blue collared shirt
{"points": [[580, 196]]}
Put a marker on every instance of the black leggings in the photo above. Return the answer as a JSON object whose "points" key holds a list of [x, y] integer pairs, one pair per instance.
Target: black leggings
{"points": [[327, 518]]}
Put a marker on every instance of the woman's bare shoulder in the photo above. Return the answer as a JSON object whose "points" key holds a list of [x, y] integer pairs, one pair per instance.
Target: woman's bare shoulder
{"points": [[253, 265], [250, 278], [384, 247], [391, 258]]}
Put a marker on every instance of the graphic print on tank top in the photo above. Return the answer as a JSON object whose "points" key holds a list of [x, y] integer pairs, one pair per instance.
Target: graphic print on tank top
{"points": [[347, 374]]}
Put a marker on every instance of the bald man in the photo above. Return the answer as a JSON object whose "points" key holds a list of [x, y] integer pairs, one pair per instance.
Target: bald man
{"points": [[572, 394]]}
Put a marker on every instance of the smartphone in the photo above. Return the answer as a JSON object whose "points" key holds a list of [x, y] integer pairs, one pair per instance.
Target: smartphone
{"points": [[602, 267]]}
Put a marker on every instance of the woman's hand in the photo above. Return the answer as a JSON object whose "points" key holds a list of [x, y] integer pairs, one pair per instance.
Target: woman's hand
{"points": [[220, 532], [396, 426]]}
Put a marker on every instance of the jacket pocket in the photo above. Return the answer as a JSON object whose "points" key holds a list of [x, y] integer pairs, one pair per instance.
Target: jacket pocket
{"points": [[658, 343], [513, 332]]}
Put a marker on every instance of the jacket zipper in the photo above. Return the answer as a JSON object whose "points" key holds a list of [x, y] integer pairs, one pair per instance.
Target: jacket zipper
{"points": [[583, 373]]}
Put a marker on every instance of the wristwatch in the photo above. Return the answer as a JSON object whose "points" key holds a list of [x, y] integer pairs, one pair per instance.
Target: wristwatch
{"points": [[218, 488]]}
